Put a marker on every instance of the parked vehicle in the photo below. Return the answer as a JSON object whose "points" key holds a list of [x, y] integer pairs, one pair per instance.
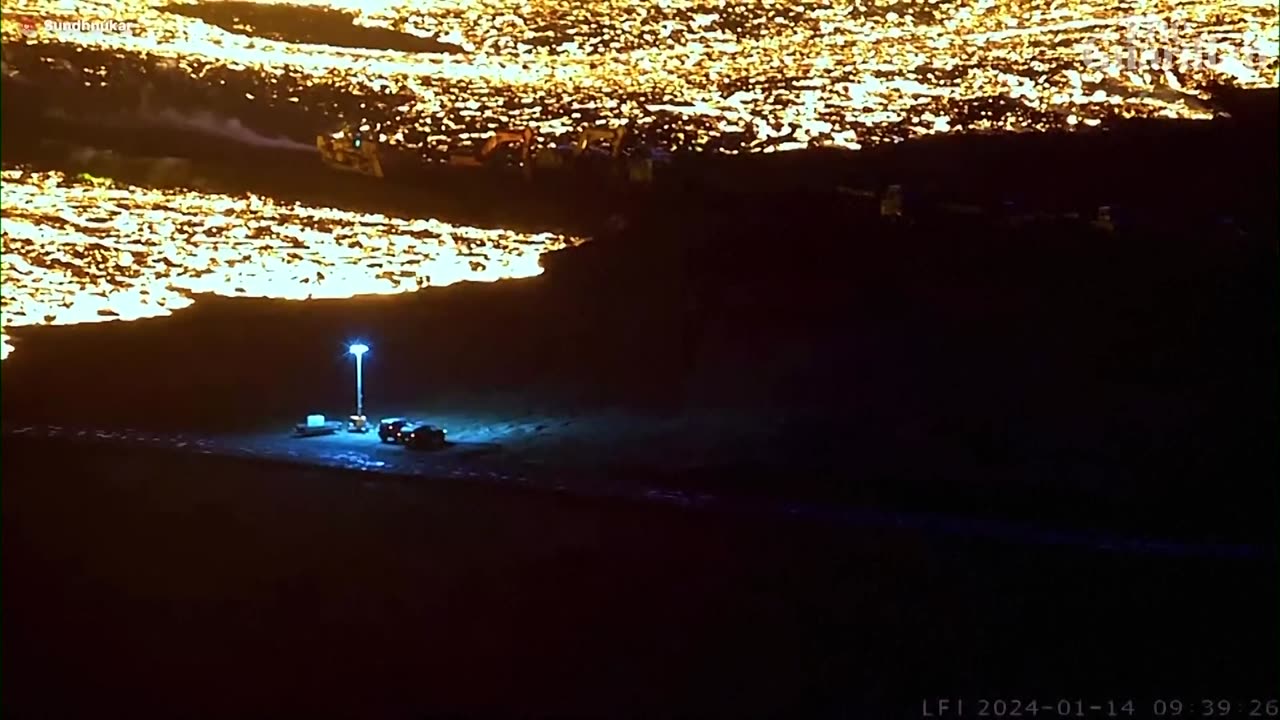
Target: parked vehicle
{"points": [[423, 437], [389, 429]]}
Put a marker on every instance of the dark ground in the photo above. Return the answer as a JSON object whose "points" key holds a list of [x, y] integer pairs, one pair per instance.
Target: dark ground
{"points": [[1126, 380], [1033, 370], [148, 584]]}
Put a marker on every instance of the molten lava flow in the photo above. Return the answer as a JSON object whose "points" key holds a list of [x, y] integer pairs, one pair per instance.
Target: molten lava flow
{"points": [[81, 252]]}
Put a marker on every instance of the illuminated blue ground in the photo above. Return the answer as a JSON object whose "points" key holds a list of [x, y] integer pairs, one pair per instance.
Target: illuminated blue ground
{"points": [[470, 458]]}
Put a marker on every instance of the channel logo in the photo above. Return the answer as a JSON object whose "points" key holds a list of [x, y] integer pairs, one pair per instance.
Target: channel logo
{"points": [[28, 27]]}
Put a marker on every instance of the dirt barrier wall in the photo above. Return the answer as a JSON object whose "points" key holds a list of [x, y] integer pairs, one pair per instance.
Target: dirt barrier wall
{"points": [[1151, 172], [1141, 362]]}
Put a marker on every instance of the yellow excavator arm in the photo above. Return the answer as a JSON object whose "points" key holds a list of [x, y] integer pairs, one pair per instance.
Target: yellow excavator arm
{"points": [[522, 138], [613, 136]]}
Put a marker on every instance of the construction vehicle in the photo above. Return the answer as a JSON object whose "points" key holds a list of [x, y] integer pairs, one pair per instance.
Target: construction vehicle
{"points": [[644, 163], [552, 158], [520, 140], [559, 156], [591, 159], [351, 151], [891, 204], [614, 136], [1103, 220], [635, 165], [360, 150]]}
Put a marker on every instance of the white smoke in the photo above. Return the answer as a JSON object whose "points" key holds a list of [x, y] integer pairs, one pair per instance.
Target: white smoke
{"points": [[230, 128], [202, 122]]}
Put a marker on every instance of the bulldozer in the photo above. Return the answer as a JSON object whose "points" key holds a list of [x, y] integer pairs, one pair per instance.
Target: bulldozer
{"points": [[522, 140], [349, 150]]}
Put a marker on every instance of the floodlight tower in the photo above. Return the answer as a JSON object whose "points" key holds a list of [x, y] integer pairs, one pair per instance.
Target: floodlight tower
{"points": [[359, 349]]}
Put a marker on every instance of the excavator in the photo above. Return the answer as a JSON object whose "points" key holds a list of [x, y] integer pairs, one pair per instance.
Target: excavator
{"points": [[585, 153], [637, 167], [522, 140], [554, 158], [613, 136], [351, 151], [354, 149]]}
